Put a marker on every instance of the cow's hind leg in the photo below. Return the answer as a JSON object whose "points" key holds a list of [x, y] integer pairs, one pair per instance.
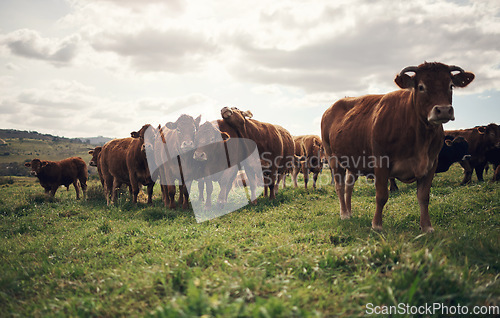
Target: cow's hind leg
{"points": [[339, 178], [77, 189], [83, 184], [381, 197]]}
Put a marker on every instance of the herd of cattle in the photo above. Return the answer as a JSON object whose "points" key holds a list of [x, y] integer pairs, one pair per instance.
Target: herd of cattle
{"points": [[398, 135]]}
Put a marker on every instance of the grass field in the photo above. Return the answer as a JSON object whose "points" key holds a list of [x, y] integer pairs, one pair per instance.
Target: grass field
{"points": [[293, 257]]}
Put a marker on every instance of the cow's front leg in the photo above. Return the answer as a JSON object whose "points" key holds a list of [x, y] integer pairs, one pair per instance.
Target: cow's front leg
{"points": [[150, 193], [381, 196], [423, 194], [349, 187]]}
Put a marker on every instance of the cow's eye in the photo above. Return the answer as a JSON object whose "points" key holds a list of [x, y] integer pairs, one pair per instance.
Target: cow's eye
{"points": [[212, 139], [451, 87], [178, 130], [421, 88]]}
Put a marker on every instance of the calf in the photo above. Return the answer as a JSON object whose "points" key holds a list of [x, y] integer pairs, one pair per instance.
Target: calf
{"points": [[311, 149], [369, 135], [481, 139], [53, 174]]}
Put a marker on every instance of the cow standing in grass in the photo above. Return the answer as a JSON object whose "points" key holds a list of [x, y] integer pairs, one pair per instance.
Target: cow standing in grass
{"points": [[94, 162], [311, 149], [481, 139], [170, 141], [53, 174], [123, 161], [396, 135], [272, 144]]}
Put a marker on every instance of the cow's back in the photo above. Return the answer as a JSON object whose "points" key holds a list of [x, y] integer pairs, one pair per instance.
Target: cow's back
{"points": [[113, 158], [346, 126]]}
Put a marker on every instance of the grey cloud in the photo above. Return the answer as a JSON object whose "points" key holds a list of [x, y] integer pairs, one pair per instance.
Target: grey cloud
{"points": [[29, 44], [156, 50], [374, 48]]}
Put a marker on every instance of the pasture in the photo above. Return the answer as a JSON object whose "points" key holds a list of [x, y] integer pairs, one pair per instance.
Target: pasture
{"points": [[293, 257]]}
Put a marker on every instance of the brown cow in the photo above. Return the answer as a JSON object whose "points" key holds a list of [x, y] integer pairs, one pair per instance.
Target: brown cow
{"points": [[311, 148], [123, 161], [53, 174], [270, 144], [288, 155], [212, 157], [397, 135], [481, 139], [172, 140], [94, 162]]}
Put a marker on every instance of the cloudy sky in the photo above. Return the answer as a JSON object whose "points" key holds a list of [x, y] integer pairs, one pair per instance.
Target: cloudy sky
{"points": [[79, 68]]}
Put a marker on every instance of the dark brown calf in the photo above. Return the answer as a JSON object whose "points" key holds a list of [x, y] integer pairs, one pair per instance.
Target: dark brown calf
{"points": [[481, 139], [53, 174]]}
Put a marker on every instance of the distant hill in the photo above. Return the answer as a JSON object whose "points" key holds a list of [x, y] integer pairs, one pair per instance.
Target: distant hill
{"points": [[96, 141], [18, 147]]}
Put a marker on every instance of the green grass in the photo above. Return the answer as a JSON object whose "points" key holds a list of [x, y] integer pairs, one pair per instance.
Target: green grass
{"points": [[293, 257]]}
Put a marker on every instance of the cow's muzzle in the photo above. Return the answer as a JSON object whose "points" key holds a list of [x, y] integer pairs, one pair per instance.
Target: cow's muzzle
{"points": [[200, 156], [92, 163], [441, 114], [226, 112], [187, 145], [33, 173], [466, 157]]}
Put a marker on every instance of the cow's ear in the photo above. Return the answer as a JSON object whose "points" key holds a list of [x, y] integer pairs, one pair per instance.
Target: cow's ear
{"points": [[135, 134], [197, 122], [448, 142], [27, 164], [91, 152], [405, 81], [44, 163], [248, 114], [225, 135], [481, 130], [171, 125], [462, 79]]}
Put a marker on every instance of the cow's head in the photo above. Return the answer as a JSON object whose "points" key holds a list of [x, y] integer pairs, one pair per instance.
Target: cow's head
{"points": [[235, 115], [433, 85], [36, 166], [206, 138], [141, 135], [185, 129], [459, 147], [95, 156], [236, 118], [491, 135]]}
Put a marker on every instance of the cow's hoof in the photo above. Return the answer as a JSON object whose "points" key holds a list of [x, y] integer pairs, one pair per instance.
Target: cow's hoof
{"points": [[377, 228], [345, 216], [428, 229], [254, 202]]}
